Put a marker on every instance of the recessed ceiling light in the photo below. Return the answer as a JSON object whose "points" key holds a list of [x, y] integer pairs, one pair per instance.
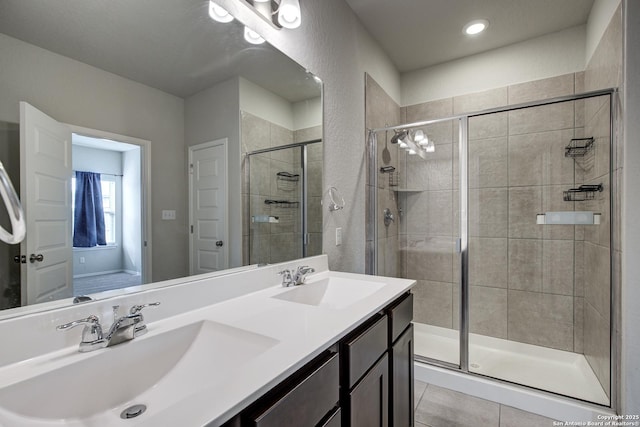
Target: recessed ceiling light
{"points": [[475, 27]]}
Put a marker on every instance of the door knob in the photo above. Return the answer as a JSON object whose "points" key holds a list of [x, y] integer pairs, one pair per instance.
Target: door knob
{"points": [[20, 259], [33, 258], [219, 243]]}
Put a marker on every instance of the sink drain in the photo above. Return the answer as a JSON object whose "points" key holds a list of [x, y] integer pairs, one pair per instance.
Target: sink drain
{"points": [[133, 411]]}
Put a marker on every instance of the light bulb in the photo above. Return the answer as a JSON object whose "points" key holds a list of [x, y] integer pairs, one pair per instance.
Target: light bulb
{"points": [[289, 14], [475, 27], [418, 136], [252, 37], [402, 144], [431, 148], [218, 13], [412, 151]]}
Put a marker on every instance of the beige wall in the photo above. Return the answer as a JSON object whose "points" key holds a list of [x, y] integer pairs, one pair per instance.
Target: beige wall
{"points": [[604, 70]]}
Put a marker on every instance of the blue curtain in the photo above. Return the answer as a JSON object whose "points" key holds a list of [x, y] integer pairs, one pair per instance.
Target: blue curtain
{"points": [[88, 225]]}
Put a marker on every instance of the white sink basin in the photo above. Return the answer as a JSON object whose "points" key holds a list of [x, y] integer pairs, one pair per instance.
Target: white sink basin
{"points": [[334, 292], [154, 370]]}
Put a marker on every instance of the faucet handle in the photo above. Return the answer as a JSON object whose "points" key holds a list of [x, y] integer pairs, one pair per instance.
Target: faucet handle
{"points": [[301, 273], [287, 277], [305, 269], [138, 308], [92, 328]]}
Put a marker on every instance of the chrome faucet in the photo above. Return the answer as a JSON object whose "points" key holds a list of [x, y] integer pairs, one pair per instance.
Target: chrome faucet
{"points": [[124, 328], [289, 278]]}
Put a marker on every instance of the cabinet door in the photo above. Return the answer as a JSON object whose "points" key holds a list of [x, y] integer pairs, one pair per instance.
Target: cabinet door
{"points": [[402, 380], [370, 398]]}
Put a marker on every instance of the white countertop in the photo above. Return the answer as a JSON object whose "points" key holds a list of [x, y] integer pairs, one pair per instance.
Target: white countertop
{"points": [[297, 332]]}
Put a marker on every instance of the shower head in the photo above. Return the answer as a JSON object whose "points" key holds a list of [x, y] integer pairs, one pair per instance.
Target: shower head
{"points": [[399, 134]]}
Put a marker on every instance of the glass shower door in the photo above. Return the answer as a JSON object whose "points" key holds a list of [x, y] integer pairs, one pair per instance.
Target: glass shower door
{"points": [[276, 205], [539, 263], [427, 192]]}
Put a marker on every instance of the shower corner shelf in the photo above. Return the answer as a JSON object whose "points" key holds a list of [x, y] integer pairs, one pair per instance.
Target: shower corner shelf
{"points": [[582, 193], [579, 147]]}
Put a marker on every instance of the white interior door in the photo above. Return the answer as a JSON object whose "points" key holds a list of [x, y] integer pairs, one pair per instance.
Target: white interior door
{"points": [[208, 206], [45, 187]]}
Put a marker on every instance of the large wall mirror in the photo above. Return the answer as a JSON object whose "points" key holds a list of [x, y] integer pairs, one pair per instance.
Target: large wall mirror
{"points": [[195, 150]]}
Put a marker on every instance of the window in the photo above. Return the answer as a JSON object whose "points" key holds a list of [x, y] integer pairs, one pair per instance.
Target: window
{"points": [[109, 206], [108, 186]]}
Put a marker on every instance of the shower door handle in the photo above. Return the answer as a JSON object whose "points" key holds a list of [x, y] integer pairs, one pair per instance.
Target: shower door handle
{"points": [[219, 243], [458, 245]]}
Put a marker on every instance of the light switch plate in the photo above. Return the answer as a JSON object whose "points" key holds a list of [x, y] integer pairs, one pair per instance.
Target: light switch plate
{"points": [[169, 215]]}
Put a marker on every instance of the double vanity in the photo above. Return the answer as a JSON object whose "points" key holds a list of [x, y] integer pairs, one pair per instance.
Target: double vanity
{"points": [[235, 349]]}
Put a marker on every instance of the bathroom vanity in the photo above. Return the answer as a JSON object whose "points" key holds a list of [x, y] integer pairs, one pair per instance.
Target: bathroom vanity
{"points": [[234, 350]]}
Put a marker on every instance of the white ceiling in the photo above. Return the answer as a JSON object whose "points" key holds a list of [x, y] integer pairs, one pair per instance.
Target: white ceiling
{"points": [[171, 45], [421, 33]]}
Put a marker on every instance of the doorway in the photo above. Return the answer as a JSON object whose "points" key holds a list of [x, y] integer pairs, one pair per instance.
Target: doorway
{"points": [[49, 263], [117, 263]]}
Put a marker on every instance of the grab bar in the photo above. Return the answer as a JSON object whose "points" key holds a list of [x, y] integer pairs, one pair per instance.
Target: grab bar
{"points": [[16, 215]]}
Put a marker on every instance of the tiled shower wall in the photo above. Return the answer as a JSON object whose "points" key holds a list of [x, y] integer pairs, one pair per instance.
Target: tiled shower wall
{"points": [[380, 111], [282, 241], [529, 283], [521, 274]]}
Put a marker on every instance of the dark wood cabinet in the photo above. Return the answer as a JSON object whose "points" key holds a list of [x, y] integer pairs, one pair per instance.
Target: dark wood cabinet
{"points": [[401, 375], [364, 380], [369, 399]]}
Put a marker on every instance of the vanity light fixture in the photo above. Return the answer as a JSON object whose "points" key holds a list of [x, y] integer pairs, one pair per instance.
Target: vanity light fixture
{"points": [[252, 37], [218, 13], [430, 147], [475, 27], [289, 14]]}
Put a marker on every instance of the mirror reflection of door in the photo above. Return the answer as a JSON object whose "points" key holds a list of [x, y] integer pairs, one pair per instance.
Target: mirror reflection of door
{"points": [[45, 183], [208, 207], [51, 267]]}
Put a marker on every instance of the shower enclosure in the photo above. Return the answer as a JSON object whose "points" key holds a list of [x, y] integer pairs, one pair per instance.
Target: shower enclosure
{"points": [[284, 217], [504, 218]]}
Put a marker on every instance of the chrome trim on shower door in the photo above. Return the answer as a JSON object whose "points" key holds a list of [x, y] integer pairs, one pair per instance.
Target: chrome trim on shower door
{"points": [[464, 242]]}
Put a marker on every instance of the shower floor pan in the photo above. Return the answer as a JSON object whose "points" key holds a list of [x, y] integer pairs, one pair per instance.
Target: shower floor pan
{"points": [[543, 368]]}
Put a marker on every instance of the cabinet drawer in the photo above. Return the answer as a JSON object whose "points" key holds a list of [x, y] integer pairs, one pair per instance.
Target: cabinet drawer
{"points": [[400, 315], [362, 350], [307, 403]]}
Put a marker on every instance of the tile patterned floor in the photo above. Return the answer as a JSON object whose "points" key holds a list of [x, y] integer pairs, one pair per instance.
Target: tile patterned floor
{"points": [[439, 407]]}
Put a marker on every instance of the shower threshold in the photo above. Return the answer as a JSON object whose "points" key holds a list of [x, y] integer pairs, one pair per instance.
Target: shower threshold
{"points": [[557, 371]]}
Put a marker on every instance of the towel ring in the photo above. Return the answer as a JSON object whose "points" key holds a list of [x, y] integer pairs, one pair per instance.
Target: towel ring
{"points": [[333, 195], [14, 209]]}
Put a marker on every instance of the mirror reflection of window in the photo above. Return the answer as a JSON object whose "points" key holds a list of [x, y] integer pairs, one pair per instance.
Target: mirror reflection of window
{"points": [[109, 197]]}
